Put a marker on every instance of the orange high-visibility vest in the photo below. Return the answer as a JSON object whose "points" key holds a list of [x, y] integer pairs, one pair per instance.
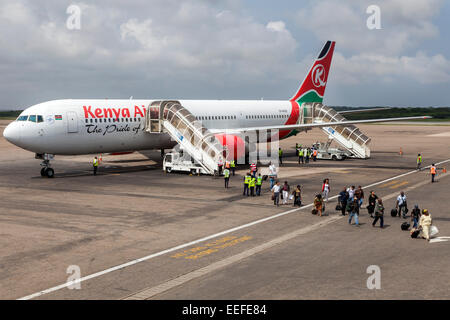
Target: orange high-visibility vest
{"points": [[433, 170]]}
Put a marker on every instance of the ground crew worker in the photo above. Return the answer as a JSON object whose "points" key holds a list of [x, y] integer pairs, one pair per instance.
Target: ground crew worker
{"points": [[419, 161], [296, 149], [95, 165], [258, 184], [300, 156], [226, 175], [433, 172], [280, 156], [314, 155], [246, 183], [227, 164], [233, 166], [308, 154], [252, 185]]}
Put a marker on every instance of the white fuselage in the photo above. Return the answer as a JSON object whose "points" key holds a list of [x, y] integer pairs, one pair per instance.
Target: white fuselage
{"points": [[74, 127]]}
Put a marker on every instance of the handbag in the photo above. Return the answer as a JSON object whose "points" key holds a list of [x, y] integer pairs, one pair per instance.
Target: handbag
{"points": [[338, 207]]}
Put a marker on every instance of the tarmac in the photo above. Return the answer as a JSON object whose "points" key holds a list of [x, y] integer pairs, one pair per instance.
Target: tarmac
{"points": [[135, 232]]}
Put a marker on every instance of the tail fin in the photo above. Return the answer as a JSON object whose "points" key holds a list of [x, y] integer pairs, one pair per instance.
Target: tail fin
{"points": [[312, 88]]}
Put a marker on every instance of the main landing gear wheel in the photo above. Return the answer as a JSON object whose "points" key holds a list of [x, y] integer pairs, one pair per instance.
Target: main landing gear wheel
{"points": [[49, 172], [43, 172]]}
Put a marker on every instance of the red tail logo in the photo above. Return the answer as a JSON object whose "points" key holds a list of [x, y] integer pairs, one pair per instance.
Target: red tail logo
{"points": [[316, 79]]}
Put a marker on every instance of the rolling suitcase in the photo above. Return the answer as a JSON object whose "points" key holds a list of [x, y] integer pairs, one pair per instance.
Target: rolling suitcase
{"points": [[393, 212]]}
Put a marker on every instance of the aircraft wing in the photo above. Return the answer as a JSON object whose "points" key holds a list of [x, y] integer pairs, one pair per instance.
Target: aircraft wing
{"points": [[362, 110], [319, 125]]}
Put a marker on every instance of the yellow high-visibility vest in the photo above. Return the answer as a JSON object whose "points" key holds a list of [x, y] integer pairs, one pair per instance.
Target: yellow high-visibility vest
{"points": [[259, 181], [247, 179], [252, 182], [232, 164], [95, 163]]}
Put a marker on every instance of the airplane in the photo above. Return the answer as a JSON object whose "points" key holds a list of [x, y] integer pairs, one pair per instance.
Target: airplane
{"points": [[96, 126]]}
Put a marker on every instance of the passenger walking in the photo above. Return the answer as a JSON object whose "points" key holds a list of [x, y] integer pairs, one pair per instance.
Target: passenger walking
{"points": [[425, 224], [253, 169], [297, 193], [432, 172], [258, 184], [252, 185], [372, 202], [272, 175], [286, 189], [351, 192], [343, 198], [354, 211], [226, 176], [419, 161], [318, 204], [359, 193], [220, 166], [379, 212], [326, 189], [401, 205], [280, 156], [276, 193], [246, 184], [415, 215], [95, 165]]}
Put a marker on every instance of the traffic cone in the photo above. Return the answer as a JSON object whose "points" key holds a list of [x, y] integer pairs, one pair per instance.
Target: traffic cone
{"points": [[400, 152], [444, 170]]}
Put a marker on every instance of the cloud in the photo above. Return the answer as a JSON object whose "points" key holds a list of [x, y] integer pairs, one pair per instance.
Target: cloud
{"points": [[389, 54]]}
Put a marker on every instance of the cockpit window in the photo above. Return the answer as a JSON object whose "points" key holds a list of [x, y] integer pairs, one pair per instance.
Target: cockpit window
{"points": [[32, 118], [40, 119], [22, 118]]}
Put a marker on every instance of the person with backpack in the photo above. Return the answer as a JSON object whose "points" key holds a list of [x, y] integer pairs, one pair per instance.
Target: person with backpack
{"points": [[318, 204], [372, 203], [379, 212], [297, 193], [343, 198], [415, 215], [286, 188]]}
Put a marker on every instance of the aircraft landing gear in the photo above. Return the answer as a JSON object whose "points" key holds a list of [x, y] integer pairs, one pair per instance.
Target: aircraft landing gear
{"points": [[46, 170]]}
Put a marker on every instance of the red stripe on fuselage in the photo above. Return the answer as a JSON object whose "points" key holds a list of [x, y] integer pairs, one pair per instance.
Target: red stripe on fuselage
{"points": [[293, 118]]}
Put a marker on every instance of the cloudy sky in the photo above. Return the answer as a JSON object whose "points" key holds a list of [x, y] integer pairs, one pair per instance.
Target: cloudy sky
{"points": [[223, 49]]}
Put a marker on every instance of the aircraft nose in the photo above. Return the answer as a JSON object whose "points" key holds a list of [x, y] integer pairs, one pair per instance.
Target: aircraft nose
{"points": [[12, 133]]}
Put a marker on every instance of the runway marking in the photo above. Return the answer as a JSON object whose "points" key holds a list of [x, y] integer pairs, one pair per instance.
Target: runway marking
{"points": [[150, 292], [389, 183], [209, 248], [398, 185], [188, 244], [439, 239]]}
